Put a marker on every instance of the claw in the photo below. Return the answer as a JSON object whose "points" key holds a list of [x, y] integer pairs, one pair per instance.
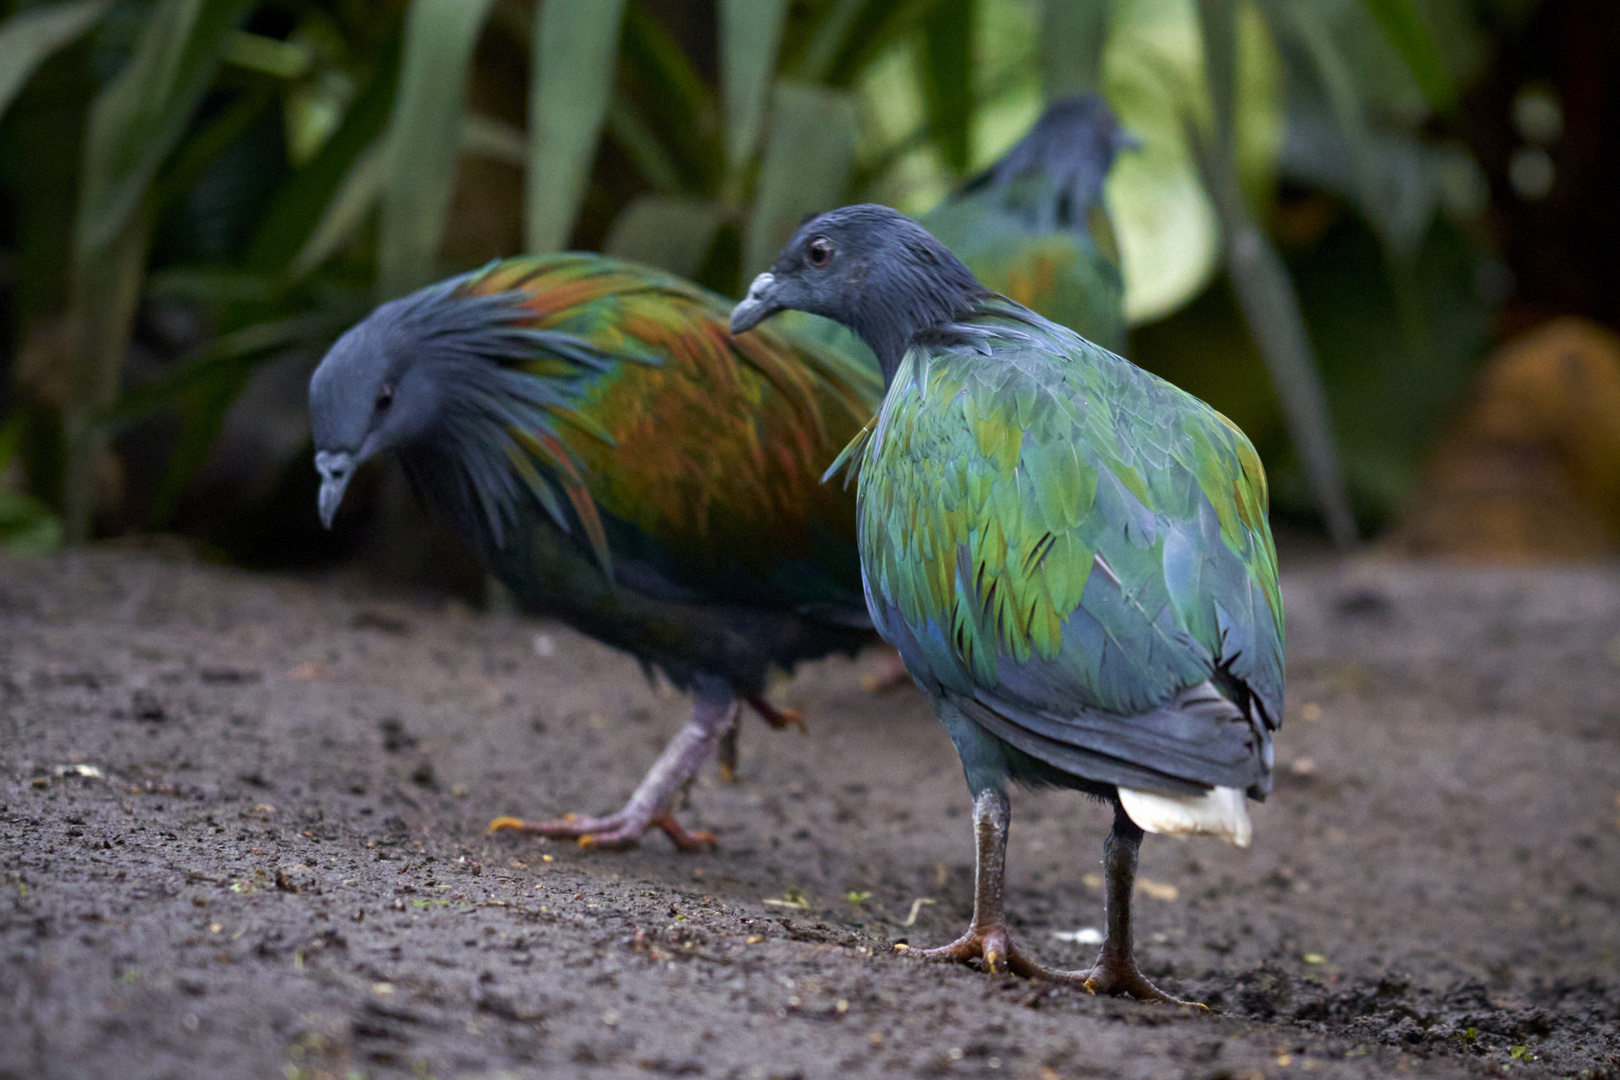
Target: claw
{"points": [[777, 718]]}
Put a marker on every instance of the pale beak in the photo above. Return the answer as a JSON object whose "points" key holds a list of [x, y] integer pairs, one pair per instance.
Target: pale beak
{"points": [[756, 307], [337, 469]]}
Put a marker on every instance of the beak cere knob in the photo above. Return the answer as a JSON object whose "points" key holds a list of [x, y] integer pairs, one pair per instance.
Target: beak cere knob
{"points": [[755, 307], [336, 468]]}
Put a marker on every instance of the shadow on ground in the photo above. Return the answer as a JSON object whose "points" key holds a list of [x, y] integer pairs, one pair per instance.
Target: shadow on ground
{"points": [[242, 834]]}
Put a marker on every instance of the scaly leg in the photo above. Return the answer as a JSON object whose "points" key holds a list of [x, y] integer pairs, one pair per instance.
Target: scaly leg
{"points": [[987, 939], [1116, 972], [654, 800], [777, 718]]}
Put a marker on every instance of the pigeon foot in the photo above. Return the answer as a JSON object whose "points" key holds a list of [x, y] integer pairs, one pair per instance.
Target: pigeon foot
{"points": [[615, 832], [777, 718], [992, 949], [1118, 976]]}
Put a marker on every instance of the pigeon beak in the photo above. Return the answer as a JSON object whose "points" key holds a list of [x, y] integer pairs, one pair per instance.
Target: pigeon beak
{"points": [[336, 468], [756, 307]]}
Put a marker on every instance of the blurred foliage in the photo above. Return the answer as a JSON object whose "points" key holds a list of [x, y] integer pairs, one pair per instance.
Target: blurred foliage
{"points": [[270, 169]]}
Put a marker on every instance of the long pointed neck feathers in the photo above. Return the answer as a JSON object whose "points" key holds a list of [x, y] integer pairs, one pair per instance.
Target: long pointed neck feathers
{"points": [[495, 443]]}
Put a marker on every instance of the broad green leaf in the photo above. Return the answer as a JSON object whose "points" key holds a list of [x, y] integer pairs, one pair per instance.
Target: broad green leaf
{"points": [[662, 89], [1264, 290], [575, 43], [268, 56], [809, 152], [356, 194], [947, 76], [29, 38], [103, 292], [1074, 34], [642, 147], [425, 136], [1406, 30], [1153, 76], [142, 113], [750, 34], [133, 125], [830, 39], [669, 232], [486, 137], [305, 201], [854, 33]]}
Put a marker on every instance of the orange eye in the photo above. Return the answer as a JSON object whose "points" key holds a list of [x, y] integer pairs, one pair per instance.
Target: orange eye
{"points": [[819, 252]]}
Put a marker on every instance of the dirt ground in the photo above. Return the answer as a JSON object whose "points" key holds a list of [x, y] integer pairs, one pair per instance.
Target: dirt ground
{"points": [[242, 835]]}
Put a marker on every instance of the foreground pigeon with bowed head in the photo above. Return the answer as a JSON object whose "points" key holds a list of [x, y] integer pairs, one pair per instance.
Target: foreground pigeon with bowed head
{"points": [[591, 430], [1071, 555]]}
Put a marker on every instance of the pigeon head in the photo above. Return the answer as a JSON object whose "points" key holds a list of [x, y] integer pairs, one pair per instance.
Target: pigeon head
{"points": [[872, 269], [1068, 153], [392, 380]]}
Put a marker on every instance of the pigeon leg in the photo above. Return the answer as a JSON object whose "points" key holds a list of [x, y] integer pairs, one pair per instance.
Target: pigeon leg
{"points": [[777, 718], [987, 939], [654, 800], [1116, 972], [727, 755]]}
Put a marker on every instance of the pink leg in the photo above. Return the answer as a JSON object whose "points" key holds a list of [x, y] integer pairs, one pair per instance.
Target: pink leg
{"points": [[654, 800]]}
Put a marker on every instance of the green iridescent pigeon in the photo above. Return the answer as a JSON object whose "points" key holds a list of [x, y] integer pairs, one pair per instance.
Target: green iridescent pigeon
{"points": [[1071, 555]]}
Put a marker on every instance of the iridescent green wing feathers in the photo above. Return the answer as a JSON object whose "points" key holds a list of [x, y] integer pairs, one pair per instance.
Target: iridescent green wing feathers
{"points": [[1044, 521], [700, 452]]}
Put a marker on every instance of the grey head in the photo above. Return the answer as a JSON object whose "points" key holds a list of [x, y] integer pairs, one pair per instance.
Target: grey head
{"points": [[396, 378], [1068, 153], [870, 268]]}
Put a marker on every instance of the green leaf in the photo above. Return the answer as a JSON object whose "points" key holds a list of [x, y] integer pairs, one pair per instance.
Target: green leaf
{"points": [[425, 132], [305, 199], [137, 120], [750, 34], [575, 43], [356, 194], [808, 156], [133, 126], [1260, 279], [947, 77], [269, 56], [1404, 26], [672, 233], [1073, 36], [29, 38]]}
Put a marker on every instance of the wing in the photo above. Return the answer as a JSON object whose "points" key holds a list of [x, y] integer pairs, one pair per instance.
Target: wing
{"points": [[1078, 551], [701, 453]]}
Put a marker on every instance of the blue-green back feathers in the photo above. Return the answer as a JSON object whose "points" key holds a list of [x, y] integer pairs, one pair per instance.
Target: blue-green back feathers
{"points": [[1051, 531]]}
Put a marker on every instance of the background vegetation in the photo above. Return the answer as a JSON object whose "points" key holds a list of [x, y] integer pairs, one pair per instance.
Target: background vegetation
{"points": [[197, 195]]}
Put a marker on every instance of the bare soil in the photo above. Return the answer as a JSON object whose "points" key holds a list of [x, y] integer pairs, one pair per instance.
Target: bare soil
{"points": [[242, 834]]}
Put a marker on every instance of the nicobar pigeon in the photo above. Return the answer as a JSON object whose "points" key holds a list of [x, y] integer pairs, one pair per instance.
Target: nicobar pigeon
{"points": [[670, 454], [1071, 555], [619, 462]]}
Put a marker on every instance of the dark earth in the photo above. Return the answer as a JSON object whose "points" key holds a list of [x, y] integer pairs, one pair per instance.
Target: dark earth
{"points": [[242, 834]]}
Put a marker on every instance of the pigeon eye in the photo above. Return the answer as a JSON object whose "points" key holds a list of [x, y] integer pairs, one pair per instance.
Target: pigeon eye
{"points": [[385, 398], [819, 252]]}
